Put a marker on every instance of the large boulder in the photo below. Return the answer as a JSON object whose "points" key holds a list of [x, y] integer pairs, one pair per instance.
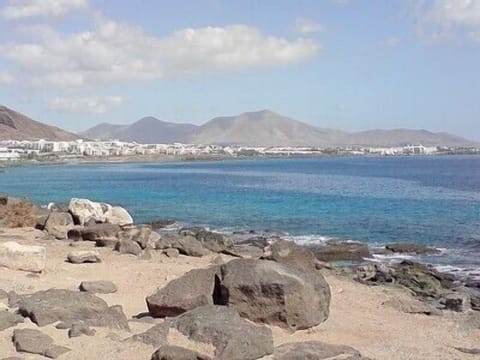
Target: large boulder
{"points": [[22, 257], [102, 234], [194, 289], [58, 219], [49, 306], [268, 292], [233, 337], [188, 245], [314, 350], [84, 210], [118, 215], [289, 253], [340, 251]]}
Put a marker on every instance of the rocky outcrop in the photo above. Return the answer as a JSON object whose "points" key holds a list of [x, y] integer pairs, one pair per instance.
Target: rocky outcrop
{"points": [[268, 292], [314, 350], [194, 289], [22, 257], [35, 342]]}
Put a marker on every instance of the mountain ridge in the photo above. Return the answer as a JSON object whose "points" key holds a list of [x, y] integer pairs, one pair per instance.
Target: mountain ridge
{"points": [[267, 128]]}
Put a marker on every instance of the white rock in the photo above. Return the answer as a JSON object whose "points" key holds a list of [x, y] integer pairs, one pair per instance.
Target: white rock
{"points": [[118, 215], [22, 257], [84, 210]]}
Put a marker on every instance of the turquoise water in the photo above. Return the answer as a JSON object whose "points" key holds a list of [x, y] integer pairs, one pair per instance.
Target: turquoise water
{"points": [[428, 200]]}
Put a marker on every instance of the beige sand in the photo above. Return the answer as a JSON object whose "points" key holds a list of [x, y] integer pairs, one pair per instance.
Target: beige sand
{"points": [[357, 318]]}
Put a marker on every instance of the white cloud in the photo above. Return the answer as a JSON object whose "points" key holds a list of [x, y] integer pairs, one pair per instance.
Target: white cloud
{"points": [[393, 41], [456, 12], [6, 78], [308, 26], [115, 52], [18, 9], [94, 105]]}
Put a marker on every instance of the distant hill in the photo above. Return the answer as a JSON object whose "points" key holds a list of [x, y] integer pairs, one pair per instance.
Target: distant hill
{"points": [[16, 126], [147, 130], [266, 128]]}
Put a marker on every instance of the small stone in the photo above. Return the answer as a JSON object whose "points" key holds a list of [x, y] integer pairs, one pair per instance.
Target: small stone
{"points": [[126, 246], [99, 287]]}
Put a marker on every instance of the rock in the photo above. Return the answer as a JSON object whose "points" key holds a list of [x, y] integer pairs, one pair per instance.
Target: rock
{"points": [[140, 234], [289, 253], [268, 292], [80, 328], [169, 352], [98, 287], [56, 351], [155, 336], [171, 253], [422, 280], [214, 242], [83, 256], [412, 306], [49, 306], [233, 337], [126, 246], [340, 251], [58, 219], [3, 199], [315, 350], [8, 320], [84, 210], [102, 234], [22, 257], [112, 318], [118, 215], [457, 301], [31, 341], [194, 289], [162, 223], [411, 249], [190, 246]]}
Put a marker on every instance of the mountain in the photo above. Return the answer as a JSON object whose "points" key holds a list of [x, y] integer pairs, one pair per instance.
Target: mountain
{"points": [[16, 126], [267, 128], [147, 130]]}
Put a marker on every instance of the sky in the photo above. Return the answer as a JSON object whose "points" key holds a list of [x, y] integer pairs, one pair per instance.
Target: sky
{"points": [[346, 64]]}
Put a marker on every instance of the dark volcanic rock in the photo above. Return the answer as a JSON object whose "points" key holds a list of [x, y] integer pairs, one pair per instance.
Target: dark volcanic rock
{"points": [[169, 352], [289, 253], [268, 292], [8, 320], [233, 337], [340, 251], [98, 287], [195, 288], [315, 350], [411, 249]]}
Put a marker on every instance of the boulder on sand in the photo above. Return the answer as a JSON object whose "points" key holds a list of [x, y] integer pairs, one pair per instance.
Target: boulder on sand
{"points": [[194, 289], [83, 256], [314, 350], [289, 253], [22, 257], [35, 342], [170, 352], [98, 287], [102, 234], [268, 292], [188, 245]]}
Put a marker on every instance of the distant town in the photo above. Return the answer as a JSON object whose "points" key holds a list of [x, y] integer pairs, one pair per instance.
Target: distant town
{"points": [[18, 150]]}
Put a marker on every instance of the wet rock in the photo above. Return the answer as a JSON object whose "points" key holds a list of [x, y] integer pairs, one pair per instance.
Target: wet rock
{"points": [[214, 242], [8, 320], [315, 350], [268, 292], [289, 253], [233, 337], [169, 352], [411, 249], [190, 231], [98, 287], [22, 257], [194, 289], [83, 256], [126, 246], [340, 251]]}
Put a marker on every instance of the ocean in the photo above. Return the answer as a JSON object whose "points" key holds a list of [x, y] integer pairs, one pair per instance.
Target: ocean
{"points": [[427, 200]]}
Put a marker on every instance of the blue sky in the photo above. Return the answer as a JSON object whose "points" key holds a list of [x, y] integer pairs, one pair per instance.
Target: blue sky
{"points": [[348, 64]]}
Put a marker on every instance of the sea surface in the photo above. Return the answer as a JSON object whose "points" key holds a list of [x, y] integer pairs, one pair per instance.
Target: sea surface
{"points": [[427, 200]]}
